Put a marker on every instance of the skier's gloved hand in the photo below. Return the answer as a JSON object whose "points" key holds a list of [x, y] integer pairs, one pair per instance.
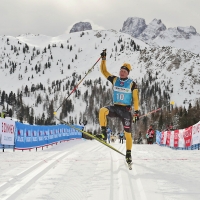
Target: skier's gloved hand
{"points": [[103, 54], [135, 116]]}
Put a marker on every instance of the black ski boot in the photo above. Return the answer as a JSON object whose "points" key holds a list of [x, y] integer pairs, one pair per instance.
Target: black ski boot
{"points": [[103, 134], [128, 156]]}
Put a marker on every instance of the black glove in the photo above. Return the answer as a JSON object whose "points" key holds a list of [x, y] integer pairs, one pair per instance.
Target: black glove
{"points": [[103, 55], [135, 116]]}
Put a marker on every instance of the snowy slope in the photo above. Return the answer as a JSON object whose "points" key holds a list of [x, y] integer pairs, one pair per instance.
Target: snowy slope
{"points": [[87, 170], [87, 48], [179, 67], [179, 37]]}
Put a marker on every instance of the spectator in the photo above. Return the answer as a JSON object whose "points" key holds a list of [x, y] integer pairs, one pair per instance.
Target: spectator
{"points": [[3, 113], [169, 128], [150, 135], [109, 132], [121, 137]]}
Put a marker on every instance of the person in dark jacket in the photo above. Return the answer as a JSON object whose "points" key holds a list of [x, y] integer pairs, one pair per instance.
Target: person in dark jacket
{"points": [[150, 135], [121, 137]]}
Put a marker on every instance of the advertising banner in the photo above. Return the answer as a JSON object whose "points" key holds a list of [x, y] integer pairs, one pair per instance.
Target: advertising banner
{"points": [[164, 137], [168, 138], [171, 144], [187, 135], [31, 136], [158, 137], [176, 138], [181, 141], [7, 130], [196, 134]]}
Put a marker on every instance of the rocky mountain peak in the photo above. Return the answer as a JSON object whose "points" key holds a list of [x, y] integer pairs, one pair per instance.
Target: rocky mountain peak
{"points": [[156, 34], [134, 26], [152, 30], [81, 26], [186, 32]]}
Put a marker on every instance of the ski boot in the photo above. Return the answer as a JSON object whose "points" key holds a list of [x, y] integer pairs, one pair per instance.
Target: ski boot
{"points": [[103, 134], [128, 156]]}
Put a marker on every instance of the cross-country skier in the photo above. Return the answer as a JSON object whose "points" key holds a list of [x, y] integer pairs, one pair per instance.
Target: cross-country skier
{"points": [[125, 94]]}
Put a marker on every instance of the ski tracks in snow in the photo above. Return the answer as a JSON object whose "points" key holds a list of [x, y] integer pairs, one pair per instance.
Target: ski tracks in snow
{"points": [[76, 170], [87, 170]]}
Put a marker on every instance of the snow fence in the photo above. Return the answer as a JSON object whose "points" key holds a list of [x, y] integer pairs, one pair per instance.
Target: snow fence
{"points": [[183, 139]]}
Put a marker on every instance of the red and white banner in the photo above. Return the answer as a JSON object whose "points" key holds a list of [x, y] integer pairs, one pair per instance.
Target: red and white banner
{"points": [[181, 141], [171, 144], [7, 131], [168, 138], [196, 133], [176, 138], [163, 137], [181, 138], [187, 135]]}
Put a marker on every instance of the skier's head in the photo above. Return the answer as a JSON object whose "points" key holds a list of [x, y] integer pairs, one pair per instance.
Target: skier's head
{"points": [[124, 70]]}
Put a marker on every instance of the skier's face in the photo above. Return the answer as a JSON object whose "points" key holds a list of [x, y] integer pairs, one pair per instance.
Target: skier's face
{"points": [[123, 73]]}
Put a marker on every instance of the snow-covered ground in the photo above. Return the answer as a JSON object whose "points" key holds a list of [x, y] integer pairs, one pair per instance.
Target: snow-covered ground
{"points": [[87, 170]]}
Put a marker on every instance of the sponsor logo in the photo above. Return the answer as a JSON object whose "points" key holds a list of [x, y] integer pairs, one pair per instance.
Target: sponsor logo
{"points": [[121, 83], [7, 128], [127, 123], [20, 133], [122, 89]]}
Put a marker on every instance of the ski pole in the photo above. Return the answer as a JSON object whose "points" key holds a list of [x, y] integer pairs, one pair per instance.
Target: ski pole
{"points": [[153, 111], [91, 136], [77, 85]]}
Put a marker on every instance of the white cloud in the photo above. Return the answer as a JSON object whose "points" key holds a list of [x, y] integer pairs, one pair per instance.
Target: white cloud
{"points": [[94, 26]]}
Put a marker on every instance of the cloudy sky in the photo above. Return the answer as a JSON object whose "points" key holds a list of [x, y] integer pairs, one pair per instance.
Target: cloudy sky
{"points": [[55, 17]]}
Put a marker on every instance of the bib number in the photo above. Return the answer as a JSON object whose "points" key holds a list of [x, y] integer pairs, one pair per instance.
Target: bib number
{"points": [[120, 96]]}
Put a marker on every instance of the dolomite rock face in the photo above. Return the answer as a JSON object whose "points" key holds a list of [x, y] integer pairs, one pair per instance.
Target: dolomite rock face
{"points": [[134, 26], [81, 26]]}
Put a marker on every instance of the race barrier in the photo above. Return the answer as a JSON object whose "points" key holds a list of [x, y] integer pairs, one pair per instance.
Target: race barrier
{"points": [[7, 130], [183, 139], [24, 136]]}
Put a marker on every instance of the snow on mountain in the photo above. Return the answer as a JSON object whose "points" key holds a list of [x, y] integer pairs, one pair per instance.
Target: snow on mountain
{"points": [[180, 37], [33, 59], [178, 69], [52, 61], [81, 26], [156, 34]]}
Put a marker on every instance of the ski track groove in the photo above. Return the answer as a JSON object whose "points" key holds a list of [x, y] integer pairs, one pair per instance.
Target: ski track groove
{"points": [[26, 179], [69, 164], [111, 178], [22, 174], [77, 188]]}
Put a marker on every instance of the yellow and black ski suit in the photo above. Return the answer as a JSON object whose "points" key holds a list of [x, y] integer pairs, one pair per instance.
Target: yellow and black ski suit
{"points": [[119, 110]]}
